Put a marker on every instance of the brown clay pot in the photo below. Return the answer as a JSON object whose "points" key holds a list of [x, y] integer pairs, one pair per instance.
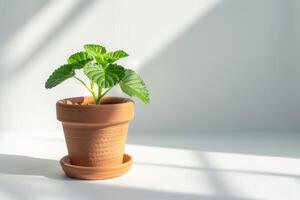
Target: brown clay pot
{"points": [[95, 134]]}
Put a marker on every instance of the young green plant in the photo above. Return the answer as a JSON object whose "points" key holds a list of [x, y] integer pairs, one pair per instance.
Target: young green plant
{"points": [[103, 73]]}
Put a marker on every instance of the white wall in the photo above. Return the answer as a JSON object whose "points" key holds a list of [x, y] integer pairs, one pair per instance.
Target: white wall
{"points": [[211, 66]]}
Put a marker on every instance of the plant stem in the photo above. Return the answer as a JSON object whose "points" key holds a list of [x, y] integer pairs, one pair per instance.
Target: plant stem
{"points": [[89, 89], [97, 98], [92, 85], [99, 95], [105, 93]]}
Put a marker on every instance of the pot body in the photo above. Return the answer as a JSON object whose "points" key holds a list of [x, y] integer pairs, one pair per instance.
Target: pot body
{"points": [[95, 134]]}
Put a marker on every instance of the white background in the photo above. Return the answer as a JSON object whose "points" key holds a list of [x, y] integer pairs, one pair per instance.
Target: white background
{"points": [[223, 76]]}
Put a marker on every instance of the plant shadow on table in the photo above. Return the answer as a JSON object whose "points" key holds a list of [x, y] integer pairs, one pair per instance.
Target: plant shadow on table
{"points": [[25, 165], [30, 168]]}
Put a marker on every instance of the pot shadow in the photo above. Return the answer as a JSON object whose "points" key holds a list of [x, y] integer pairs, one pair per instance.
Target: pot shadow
{"points": [[68, 188], [25, 165]]}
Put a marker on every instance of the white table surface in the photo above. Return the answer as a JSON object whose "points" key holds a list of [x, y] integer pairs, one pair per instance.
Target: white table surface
{"points": [[175, 166]]}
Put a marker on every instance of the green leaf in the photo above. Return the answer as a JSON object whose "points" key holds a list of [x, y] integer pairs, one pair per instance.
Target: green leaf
{"points": [[95, 50], [133, 85], [59, 75], [80, 59], [111, 57], [105, 78], [117, 69]]}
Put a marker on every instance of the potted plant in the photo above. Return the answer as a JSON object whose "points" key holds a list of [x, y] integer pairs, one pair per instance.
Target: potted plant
{"points": [[95, 127]]}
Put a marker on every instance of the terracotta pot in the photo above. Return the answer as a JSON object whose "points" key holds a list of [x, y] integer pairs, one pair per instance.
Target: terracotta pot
{"points": [[95, 134]]}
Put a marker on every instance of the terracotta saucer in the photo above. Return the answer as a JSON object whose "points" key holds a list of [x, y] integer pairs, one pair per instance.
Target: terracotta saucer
{"points": [[95, 173]]}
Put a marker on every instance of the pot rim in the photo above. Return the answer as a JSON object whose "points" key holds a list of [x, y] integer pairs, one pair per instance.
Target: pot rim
{"points": [[126, 101], [117, 110]]}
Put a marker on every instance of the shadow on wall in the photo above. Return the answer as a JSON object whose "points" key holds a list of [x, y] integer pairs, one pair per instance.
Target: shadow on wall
{"points": [[25, 9], [234, 69], [31, 8], [16, 59]]}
